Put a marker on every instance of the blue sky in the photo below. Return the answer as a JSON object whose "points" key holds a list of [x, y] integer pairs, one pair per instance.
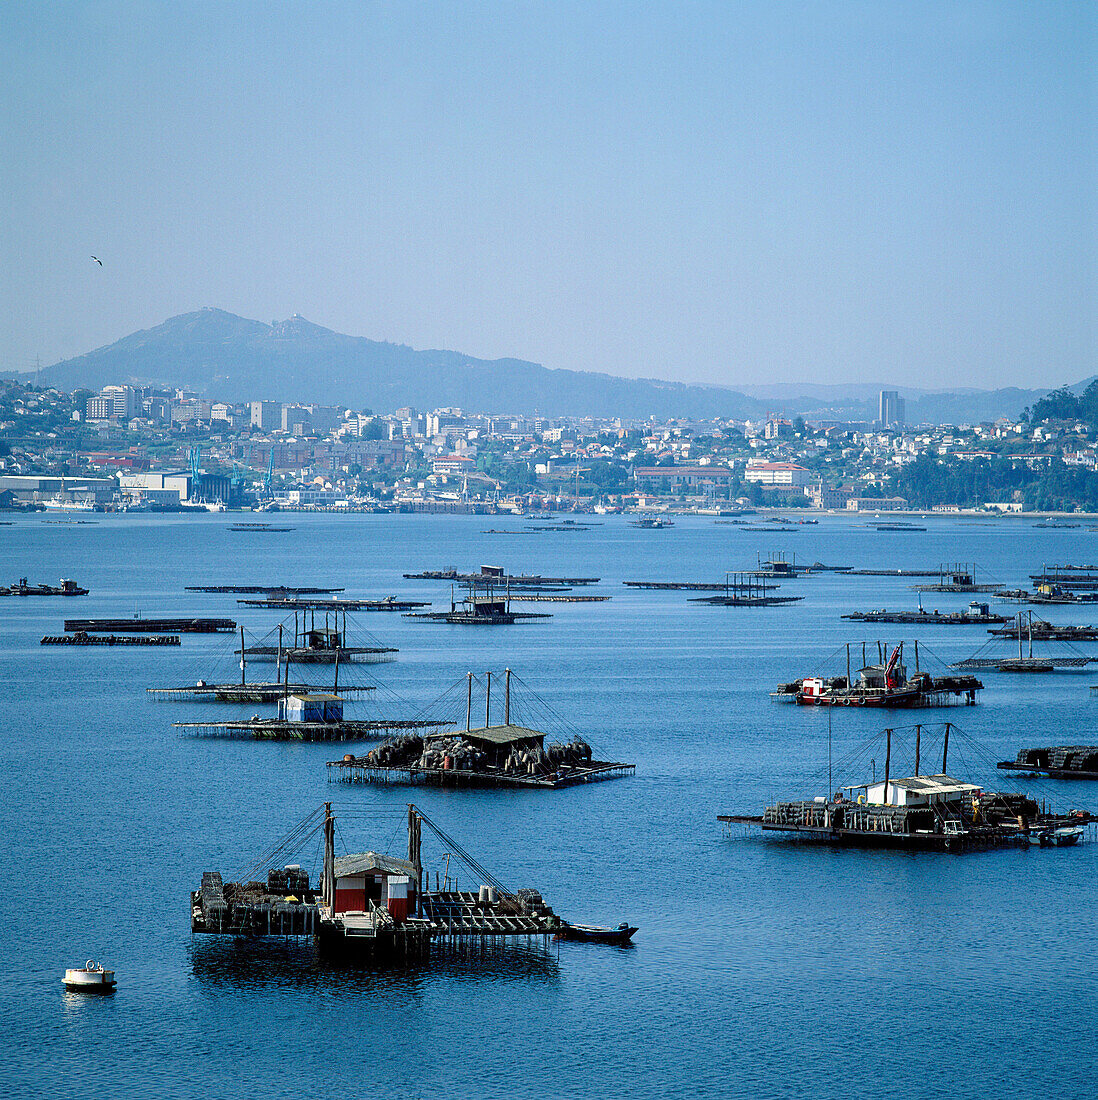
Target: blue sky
{"points": [[730, 193]]}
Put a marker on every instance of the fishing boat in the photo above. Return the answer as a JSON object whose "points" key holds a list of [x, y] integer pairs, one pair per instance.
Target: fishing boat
{"points": [[66, 588], [885, 684], [591, 933], [652, 523]]}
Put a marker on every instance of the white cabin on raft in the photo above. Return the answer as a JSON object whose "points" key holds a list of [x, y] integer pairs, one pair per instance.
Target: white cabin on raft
{"points": [[918, 790]]}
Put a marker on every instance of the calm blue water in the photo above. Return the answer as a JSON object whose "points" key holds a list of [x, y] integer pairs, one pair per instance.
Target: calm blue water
{"points": [[762, 968]]}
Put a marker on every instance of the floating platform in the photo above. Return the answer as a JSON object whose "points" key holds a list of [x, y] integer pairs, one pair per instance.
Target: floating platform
{"points": [[1057, 761], [499, 578], [913, 573], [921, 812], [745, 600], [548, 597], [1024, 664], [293, 603], [245, 693], [277, 729], [488, 756], [270, 589], [1045, 632], [688, 586], [975, 615], [152, 626], [1056, 595], [960, 577], [80, 638], [311, 655], [369, 905]]}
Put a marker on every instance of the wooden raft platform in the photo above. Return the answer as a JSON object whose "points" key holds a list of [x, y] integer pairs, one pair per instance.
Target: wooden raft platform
{"points": [[81, 638], [150, 626], [361, 771], [269, 692], [276, 729]]}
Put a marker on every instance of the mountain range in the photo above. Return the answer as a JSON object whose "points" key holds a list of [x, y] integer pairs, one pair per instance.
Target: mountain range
{"points": [[233, 359]]}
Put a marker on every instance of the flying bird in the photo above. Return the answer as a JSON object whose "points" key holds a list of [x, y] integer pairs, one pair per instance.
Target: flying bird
{"points": [[98, 260]]}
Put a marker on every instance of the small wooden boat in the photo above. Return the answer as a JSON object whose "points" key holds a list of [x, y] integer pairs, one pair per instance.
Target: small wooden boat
{"points": [[1062, 837], [90, 978], [590, 933]]}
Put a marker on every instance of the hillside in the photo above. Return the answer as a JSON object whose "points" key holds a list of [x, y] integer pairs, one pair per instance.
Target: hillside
{"points": [[217, 353]]}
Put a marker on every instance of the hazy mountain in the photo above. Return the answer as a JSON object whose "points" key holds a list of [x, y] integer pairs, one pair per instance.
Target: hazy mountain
{"points": [[235, 359]]}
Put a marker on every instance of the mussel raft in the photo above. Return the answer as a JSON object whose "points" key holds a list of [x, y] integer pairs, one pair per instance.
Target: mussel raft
{"points": [[491, 756]]}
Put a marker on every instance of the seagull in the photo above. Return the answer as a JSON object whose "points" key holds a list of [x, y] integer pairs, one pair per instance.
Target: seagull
{"points": [[98, 260]]}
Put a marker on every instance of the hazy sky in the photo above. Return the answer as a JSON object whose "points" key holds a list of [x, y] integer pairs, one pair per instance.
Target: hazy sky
{"points": [[728, 192]]}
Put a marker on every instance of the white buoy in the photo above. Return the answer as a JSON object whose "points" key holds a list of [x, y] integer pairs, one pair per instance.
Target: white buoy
{"points": [[91, 978]]}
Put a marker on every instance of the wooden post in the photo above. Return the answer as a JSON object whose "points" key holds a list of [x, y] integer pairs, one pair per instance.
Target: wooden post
{"points": [[888, 760], [945, 750], [916, 663], [327, 890], [918, 736], [488, 701], [848, 664], [278, 664], [335, 686], [507, 697], [469, 706], [243, 662]]}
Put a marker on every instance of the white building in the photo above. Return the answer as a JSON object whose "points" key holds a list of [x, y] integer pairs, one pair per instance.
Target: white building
{"points": [[787, 474]]}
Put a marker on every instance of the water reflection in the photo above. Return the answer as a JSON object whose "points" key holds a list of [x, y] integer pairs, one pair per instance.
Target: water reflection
{"points": [[249, 966]]}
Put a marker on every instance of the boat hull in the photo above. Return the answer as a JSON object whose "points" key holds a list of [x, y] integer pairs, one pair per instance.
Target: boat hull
{"points": [[588, 934]]}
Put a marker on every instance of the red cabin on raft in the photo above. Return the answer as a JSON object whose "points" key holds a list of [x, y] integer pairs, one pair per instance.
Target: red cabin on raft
{"points": [[366, 878]]}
